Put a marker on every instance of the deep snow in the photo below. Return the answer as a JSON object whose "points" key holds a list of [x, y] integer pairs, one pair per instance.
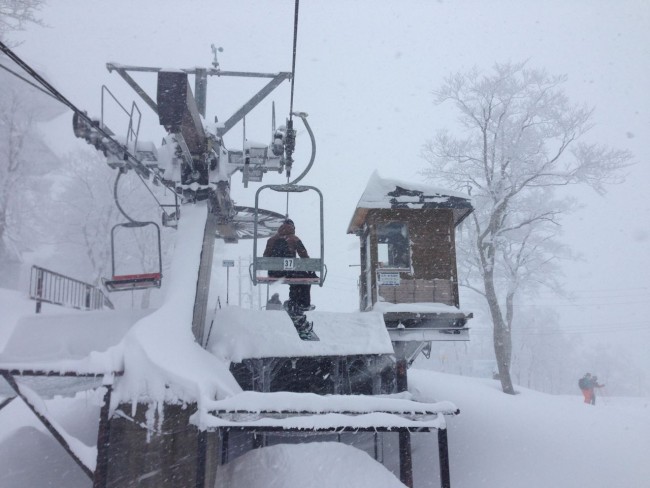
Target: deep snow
{"points": [[531, 439]]}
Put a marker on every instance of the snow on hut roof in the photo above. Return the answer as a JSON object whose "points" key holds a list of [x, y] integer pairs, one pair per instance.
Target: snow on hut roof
{"points": [[239, 334], [382, 193]]}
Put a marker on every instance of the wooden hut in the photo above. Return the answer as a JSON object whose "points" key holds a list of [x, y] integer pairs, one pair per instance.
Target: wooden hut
{"points": [[408, 258]]}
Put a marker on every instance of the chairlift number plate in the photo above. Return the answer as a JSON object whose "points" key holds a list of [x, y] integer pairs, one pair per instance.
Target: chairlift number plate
{"points": [[288, 264]]}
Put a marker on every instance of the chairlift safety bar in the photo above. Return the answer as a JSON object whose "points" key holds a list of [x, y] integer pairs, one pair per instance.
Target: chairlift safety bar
{"points": [[288, 264], [134, 281]]}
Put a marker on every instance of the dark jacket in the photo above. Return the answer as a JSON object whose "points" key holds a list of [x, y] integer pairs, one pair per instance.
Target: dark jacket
{"points": [[287, 231]]}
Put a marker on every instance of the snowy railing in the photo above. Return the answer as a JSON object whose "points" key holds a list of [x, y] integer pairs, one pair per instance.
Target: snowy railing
{"points": [[46, 286]]}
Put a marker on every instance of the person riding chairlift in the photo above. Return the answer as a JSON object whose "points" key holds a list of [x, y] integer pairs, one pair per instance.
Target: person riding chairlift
{"points": [[286, 244]]}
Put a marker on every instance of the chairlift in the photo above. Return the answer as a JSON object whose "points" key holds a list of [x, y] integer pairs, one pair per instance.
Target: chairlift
{"points": [[139, 281], [261, 264]]}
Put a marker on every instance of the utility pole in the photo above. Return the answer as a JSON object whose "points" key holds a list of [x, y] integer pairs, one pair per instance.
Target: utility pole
{"points": [[239, 280]]}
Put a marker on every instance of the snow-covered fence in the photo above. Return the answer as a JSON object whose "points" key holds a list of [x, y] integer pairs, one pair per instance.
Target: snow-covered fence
{"points": [[57, 289]]}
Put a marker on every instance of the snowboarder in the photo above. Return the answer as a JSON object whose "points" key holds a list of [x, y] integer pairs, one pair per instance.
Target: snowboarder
{"points": [[587, 384], [286, 244]]}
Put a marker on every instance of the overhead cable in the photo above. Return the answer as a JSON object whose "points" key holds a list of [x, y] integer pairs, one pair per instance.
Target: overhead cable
{"points": [[132, 160]]}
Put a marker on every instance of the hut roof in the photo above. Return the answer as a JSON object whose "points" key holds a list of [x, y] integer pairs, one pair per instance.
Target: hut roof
{"points": [[382, 193]]}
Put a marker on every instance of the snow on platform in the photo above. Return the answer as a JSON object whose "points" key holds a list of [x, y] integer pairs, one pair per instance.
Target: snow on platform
{"points": [[309, 411], [239, 334], [77, 342]]}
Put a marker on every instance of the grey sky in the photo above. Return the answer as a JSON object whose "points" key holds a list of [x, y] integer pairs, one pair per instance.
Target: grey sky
{"points": [[365, 72]]}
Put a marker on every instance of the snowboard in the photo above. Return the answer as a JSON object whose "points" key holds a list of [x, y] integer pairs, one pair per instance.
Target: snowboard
{"points": [[304, 328]]}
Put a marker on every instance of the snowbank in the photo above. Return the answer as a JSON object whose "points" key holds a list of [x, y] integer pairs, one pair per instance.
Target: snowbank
{"points": [[531, 439], [162, 361], [311, 465], [83, 342], [239, 334]]}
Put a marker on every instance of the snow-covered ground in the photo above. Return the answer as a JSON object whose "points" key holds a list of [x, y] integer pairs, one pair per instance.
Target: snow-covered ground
{"points": [[531, 439]]}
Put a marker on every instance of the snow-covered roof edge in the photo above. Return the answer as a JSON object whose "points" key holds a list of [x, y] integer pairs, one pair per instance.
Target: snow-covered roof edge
{"points": [[385, 193], [377, 189]]}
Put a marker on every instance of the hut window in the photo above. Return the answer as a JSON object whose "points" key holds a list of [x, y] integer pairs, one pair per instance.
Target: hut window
{"points": [[393, 248]]}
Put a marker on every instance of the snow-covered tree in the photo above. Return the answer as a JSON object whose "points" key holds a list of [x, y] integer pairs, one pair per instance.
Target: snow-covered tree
{"points": [[15, 14], [519, 140], [24, 162], [86, 203]]}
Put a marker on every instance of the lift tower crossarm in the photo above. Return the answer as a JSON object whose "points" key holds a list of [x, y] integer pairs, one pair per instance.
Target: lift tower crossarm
{"points": [[252, 103], [201, 73], [192, 71], [133, 84]]}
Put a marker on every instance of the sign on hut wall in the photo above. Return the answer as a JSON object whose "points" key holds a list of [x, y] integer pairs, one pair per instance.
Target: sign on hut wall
{"points": [[388, 278]]}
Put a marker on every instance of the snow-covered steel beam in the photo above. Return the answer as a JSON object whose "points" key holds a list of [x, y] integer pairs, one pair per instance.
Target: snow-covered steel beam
{"points": [[61, 437], [138, 89], [203, 279], [178, 112], [52, 373]]}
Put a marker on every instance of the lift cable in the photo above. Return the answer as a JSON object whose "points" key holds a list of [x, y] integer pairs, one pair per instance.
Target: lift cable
{"points": [[2, 66], [293, 61], [303, 116], [132, 160]]}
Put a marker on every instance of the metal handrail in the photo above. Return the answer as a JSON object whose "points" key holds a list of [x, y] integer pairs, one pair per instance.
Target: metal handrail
{"points": [[47, 286]]}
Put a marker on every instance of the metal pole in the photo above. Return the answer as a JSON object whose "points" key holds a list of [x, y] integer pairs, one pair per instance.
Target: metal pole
{"points": [[250, 290], [225, 445], [405, 460], [203, 279], [239, 279], [201, 459], [39, 289], [100, 479], [443, 455], [227, 285]]}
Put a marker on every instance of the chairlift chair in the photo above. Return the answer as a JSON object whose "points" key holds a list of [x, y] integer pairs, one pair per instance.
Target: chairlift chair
{"points": [[261, 263], [140, 281]]}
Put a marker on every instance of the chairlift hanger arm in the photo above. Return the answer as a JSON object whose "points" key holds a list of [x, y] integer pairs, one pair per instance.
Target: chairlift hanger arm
{"points": [[303, 117]]}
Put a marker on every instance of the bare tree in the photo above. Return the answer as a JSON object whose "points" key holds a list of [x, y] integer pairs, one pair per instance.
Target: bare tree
{"points": [[520, 140], [84, 212], [87, 211], [24, 162], [15, 14]]}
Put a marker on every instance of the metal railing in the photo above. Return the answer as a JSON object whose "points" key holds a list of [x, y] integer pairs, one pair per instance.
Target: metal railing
{"points": [[46, 286]]}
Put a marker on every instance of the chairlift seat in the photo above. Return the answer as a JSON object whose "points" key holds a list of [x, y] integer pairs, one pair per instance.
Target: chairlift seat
{"points": [[270, 280], [140, 281], [288, 264], [134, 282]]}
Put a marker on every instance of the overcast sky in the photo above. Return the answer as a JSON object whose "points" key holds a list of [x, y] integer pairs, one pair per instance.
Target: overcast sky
{"points": [[365, 72]]}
